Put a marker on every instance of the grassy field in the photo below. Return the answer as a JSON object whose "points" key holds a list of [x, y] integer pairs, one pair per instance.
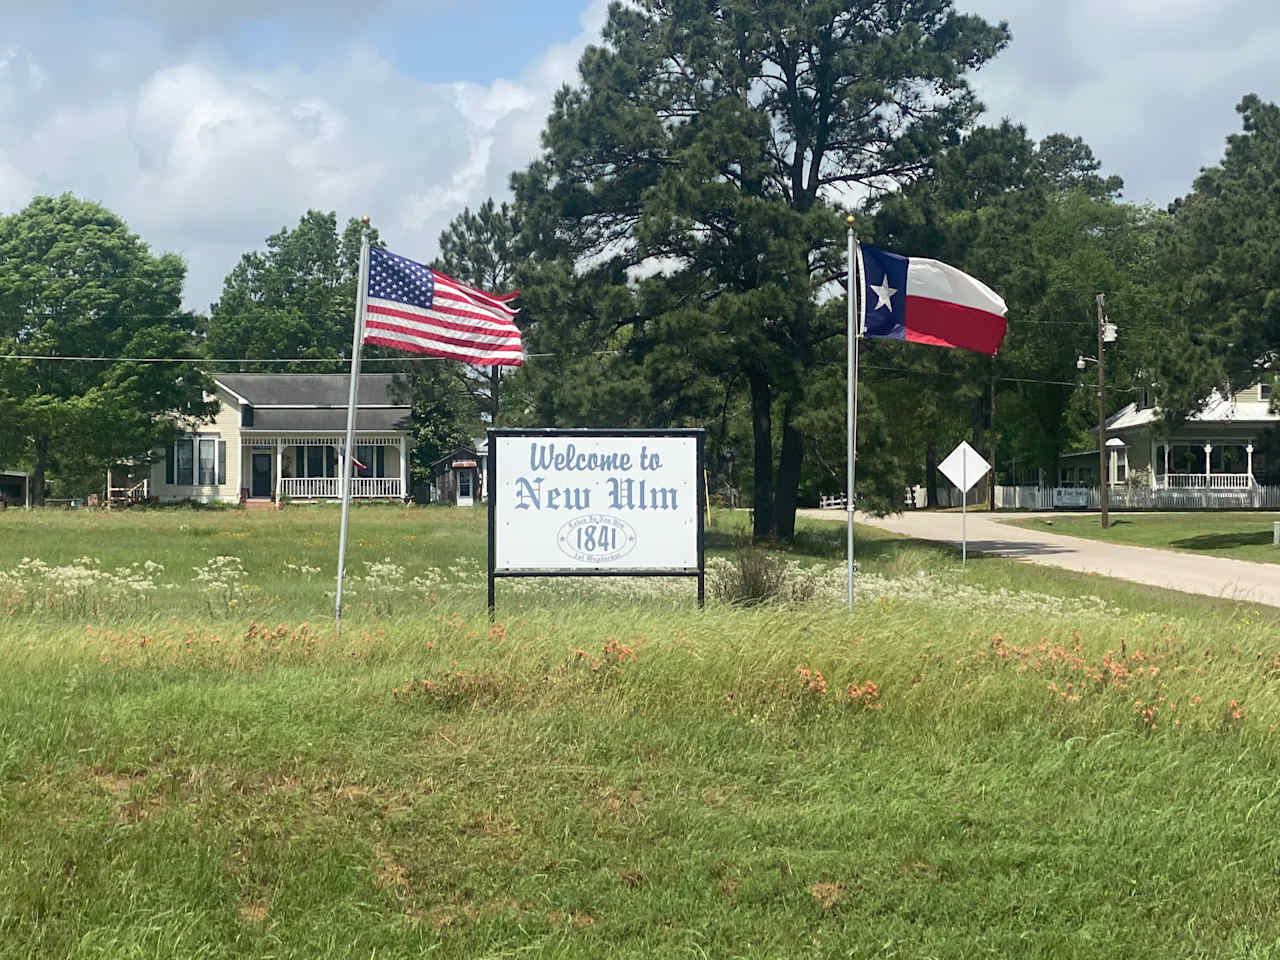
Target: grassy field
{"points": [[997, 761], [1242, 536]]}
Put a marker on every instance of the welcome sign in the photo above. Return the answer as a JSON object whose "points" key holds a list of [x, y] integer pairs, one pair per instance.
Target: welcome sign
{"points": [[595, 503]]}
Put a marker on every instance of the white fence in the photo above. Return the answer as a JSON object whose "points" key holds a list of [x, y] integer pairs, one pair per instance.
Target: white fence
{"points": [[1143, 498], [324, 488]]}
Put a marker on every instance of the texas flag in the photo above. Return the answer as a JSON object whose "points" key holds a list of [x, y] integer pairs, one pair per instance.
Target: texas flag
{"points": [[926, 301]]}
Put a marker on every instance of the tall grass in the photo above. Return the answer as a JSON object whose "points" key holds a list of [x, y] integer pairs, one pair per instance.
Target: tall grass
{"points": [[995, 761]]}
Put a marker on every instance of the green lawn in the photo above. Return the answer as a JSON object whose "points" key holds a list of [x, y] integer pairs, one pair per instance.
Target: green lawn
{"points": [[1242, 536], [1000, 760]]}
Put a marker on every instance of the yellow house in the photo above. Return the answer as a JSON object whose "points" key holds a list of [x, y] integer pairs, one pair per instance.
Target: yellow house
{"points": [[281, 435]]}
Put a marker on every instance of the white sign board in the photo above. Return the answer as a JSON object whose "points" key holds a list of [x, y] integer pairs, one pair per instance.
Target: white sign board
{"points": [[595, 501], [1070, 497], [964, 467]]}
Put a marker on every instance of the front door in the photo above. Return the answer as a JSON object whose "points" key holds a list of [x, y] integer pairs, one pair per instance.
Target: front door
{"points": [[260, 484]]}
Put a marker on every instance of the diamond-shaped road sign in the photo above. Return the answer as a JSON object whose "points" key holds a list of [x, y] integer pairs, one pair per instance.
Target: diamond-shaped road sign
{"points": [[964, 467]]}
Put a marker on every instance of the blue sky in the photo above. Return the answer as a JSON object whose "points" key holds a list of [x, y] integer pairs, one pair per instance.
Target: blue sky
{"points": [[208, 126]]}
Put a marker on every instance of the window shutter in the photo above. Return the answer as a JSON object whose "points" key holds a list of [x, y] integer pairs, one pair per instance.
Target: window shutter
{"points": [[168, 464], [300, 460], [186, 465], [330, 464], [380, 462], [222, 462]]}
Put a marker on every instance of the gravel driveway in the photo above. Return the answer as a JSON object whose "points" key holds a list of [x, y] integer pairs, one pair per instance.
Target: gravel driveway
{"points": [[1212, 576]]}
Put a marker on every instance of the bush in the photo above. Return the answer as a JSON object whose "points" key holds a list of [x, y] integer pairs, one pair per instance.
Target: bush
{"points": [[755, 576]]}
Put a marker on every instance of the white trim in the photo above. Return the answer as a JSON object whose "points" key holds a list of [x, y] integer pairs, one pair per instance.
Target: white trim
{"points": [[241, 399]]}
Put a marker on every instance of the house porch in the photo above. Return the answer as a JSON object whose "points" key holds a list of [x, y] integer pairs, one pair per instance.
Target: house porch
{"points": [[306, 466]]}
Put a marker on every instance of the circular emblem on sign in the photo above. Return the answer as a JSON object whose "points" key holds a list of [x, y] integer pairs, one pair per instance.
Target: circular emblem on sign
{"points": [[596, 538]]}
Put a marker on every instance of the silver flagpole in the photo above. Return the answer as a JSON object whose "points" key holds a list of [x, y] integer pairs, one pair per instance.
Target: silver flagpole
{"points": [[851, 407], [353, 399]]}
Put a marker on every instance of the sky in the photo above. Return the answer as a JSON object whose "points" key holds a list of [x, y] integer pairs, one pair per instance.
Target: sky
{"points": [[209, 126]]}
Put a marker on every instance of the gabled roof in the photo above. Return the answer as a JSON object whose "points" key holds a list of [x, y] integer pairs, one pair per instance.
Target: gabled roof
{"points": [[461, 452], [316, 401], [308, 389], [1219, 409]]}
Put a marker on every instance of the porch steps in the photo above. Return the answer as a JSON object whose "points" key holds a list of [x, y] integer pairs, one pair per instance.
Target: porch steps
{"points": [[256, 503]]}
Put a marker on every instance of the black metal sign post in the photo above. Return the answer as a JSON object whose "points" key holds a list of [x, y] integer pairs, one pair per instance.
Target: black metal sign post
{"points": [[698, 434]]}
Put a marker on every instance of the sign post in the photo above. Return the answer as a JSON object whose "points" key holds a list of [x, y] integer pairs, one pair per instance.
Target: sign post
{"points": [[596, 503], [964, 467]]}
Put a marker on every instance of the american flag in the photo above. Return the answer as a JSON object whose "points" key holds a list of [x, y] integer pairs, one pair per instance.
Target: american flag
{"points": [[412, 307]]}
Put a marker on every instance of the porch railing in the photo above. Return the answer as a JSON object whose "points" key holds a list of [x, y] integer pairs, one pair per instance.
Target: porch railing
{"points": [[329, 488], [1207, 481]]}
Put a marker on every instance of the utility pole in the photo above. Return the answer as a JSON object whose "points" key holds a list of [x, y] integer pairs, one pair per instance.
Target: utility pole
{"points": [[1102, 420]]}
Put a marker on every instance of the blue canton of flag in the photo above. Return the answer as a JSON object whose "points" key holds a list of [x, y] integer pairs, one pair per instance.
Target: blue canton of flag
{"points": [[884, 293], [393, 277]]}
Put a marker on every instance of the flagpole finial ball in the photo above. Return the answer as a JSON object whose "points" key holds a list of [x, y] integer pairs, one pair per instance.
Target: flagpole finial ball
{"points": [[365, 221], [849, 219]]}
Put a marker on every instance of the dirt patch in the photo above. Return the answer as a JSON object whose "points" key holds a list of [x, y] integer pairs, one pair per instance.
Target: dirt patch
{"points": [[254, 912], [623, 806], [489, 824], [389, 875], [827, 895]]}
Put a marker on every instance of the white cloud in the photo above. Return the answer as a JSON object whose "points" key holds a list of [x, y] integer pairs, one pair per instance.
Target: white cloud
{"points": [[206, 157]]}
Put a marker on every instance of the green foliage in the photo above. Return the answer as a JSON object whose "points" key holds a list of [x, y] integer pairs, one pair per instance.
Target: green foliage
{"points": [[698, 152], [1041, 225], [1224, 256], [296, 299], [75, 282]]}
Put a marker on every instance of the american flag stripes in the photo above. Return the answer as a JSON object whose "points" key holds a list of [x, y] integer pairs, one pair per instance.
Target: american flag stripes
{"points": [[411, 307]]}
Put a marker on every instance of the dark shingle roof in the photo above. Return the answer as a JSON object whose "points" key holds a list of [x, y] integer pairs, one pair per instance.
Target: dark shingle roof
{"points": [[317, 401], [331, 418], [308, 389]]}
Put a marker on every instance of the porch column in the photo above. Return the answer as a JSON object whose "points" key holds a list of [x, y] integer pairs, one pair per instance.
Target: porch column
{"points": [[279, 468], [1249, 453], [1166, 462], [1208, 448], [405, 469], [108, 488]]}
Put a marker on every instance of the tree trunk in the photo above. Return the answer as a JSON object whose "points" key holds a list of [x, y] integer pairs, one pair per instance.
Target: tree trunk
{"points": [[979, 431], [784, 509], [35, 482], [762, 453], [931, 474]]}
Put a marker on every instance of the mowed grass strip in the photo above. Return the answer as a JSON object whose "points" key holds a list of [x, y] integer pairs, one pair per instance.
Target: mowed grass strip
{"points": [[1239, 535], [589, 776]]}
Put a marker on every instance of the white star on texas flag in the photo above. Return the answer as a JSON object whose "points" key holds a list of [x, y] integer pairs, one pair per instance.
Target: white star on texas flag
{"points": [[884, 293]]}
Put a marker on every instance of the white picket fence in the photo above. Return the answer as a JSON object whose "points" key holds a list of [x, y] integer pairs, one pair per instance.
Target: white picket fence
{"points": [[1121, 498], [1143, 498]]}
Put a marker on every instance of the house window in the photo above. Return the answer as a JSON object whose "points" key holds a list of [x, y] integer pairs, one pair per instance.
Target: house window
{"points": [[1264, 391], [464, 484], [1159, 464], [208, 462], [315, 461], [193, 461]]}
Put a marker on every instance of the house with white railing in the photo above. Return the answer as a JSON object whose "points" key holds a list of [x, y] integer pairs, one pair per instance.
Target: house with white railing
{"points": [[1216, 455], [282, 435]]}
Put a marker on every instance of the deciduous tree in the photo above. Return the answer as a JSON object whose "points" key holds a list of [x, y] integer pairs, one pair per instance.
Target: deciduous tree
{"points": [[75, 282]]}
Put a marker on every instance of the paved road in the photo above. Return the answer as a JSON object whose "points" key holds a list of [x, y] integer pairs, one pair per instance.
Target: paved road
{"points": [[1212, 576]]}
